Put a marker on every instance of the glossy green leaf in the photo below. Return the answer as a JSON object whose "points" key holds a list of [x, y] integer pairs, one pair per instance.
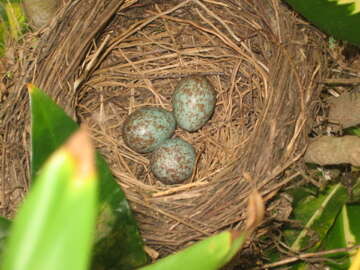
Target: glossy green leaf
{"points": [[55, 225], [320, 215], [4, 232], [339, 18], [345, 233], [319, 219], [317, 214], [118, 242], [353, 212], [209, 254], [50, 128]]}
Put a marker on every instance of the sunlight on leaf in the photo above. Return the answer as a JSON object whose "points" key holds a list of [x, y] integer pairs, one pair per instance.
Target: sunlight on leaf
{"points": [[56, 221], [338, 18], [356, 263], [118, 241], [208, 254], [318, 214]]}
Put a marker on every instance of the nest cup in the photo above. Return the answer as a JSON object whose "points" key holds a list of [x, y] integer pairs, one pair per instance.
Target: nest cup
{"points": [[263, 61]]}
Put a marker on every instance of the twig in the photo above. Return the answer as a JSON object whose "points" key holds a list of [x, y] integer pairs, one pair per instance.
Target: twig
{"points": [[188, 51], [172, 216], [276, 187], [341, 81], [148, 83], [140, 26], [91, 63], [219, 19], [178, 189], [165, 76], [307, 255]]}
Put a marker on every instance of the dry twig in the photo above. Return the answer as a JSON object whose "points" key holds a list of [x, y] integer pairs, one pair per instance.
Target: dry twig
{"points": [[304, 256]]}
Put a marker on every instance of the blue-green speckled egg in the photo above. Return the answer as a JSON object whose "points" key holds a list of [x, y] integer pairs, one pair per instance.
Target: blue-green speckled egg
{"points": [[193, 102], [145, 129], [173, 162]]}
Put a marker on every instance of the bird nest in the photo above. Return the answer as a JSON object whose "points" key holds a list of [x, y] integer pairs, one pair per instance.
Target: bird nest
{"points": [[103, 59]]}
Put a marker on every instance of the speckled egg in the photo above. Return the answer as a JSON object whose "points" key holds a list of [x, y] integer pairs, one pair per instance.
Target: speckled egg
{"points": [[173, 162], [193, 102], [145, 129]]}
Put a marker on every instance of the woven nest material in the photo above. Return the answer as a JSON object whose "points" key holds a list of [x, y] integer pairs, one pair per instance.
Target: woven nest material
{"points": [[102, 59]]}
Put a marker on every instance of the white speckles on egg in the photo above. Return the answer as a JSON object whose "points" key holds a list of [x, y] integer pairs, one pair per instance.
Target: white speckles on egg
{"points": [[145, 129], [193, 102], [173, 162]]}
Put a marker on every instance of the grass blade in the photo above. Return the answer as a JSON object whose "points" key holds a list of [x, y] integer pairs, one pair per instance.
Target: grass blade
{"points": [[345, 233]]}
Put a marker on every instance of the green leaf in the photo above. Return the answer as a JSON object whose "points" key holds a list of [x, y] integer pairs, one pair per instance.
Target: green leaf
{"points": [[353, 131], [339, 18], [4, 232], [353, 212], [209, 254], [344, 234], [50, 128], [55, 225], [118, 243], [323, 220], [317, 214]]}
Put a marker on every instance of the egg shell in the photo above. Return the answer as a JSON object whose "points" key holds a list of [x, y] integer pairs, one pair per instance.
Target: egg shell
{"points": [[173, 162], [147, 128], [193, 102]]}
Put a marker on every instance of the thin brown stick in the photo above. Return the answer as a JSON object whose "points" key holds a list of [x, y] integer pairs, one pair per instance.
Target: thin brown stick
{"points": [[349, 81], [306, 256], [283, 183], [174, 217], [217, 18], [139, 26], [91, 63], [258, 65]]}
